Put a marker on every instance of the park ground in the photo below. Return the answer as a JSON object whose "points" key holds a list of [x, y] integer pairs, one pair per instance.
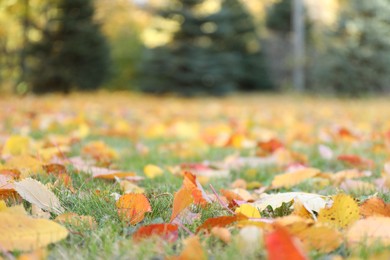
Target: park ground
{"points": [[237, 143]]}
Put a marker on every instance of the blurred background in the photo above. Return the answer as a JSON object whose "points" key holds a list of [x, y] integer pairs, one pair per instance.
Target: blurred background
{"points": [[195, 47]]}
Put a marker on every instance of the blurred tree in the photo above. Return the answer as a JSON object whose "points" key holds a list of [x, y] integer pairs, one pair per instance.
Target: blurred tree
{"points": [[72, 52], [357, 59], [279, 17], [208, 53]]}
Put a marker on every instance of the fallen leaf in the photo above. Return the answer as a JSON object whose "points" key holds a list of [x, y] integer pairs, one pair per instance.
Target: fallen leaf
{"points": [[222, 233], [27, 165], [193, 250], [36, 193], [222, 221], [20, 232], [375, 207], [356, 161], [311, 201], [129, 187], [357, 186], [290, 179], [132, 207], [152, 171], [190, 182], [17, 145], [76, 220], [182, 199], [343, 212], [281, 245], [167, 232], [370, 231], [248, 210]]}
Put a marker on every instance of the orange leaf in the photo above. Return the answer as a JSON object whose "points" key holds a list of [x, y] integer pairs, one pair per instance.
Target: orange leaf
{"points": [[199, 195], [55, 169], [281, 245], [14, 173], [375, 207], [356, 161], [270, 146], [181, 200], [222, 221], [290, 179], [168, 232], [132, 207], [193, 250]]}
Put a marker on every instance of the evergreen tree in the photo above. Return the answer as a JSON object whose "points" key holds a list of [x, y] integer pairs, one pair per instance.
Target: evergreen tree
{"points": [[72, 52], [357, 60], [279, 17], [208, 54]]}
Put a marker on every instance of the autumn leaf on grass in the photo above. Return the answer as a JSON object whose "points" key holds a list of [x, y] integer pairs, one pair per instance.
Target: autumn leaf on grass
{"points": [[370, 231], [281, 245], [182, 199], [222, 233], [27, 165], [248, 210], [168, 232], [290, 179], [21, 232], [36, 193], [17, 145], [356, 161], [152, 171], [363, 187], [198, 193], [375, 207], [193, 250], [343, 212], [311, 201], [132, 207], [7, 187], [76, 220], [222, 221]]}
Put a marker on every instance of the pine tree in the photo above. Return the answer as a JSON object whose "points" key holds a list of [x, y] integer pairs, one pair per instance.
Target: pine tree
{"points": [[208, 54], [72, 52], [357, 60]]}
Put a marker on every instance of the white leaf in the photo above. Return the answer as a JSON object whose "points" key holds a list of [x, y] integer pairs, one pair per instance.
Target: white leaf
{"points": [[36, 193], [311, 201]]}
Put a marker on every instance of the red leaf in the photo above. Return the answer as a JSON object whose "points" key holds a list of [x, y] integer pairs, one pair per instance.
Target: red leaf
{"points": [[270, 146], [168, 232], [280, 245]]}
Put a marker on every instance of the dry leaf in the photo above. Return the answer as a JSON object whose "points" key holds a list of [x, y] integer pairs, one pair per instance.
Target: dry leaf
{"points": [[222, 221], [132, 207], [222, 233], [17, 145], [167, 232], [248, 210], [36, 193], [76, 220], [193, 250], [152, 171], [20, 232], [375, 207], [370, 231], [281, 245], [343, 212], [290, 179], [27, 165], [311, 201], [182, 199]]}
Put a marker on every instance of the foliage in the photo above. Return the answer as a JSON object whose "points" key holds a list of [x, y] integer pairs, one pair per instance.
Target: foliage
{"points": [[357, 58], [72, 52], [209, 53]]}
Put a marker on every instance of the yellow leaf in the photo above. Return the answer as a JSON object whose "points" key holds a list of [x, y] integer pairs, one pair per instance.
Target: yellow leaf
{"points": [[249, 211], [20, 232], [76, 220], [321, 237], [152, 171], [27, 165], [3, 206], [370, 231], [129, 187], [342, 213], [290, 179], [17, 145]]}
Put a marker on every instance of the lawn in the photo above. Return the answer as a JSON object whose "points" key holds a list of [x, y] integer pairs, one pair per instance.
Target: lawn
{"points": [[221, 156]]}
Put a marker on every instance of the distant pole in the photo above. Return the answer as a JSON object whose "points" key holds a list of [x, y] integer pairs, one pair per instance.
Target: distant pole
{"points": [[298, 20]]}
